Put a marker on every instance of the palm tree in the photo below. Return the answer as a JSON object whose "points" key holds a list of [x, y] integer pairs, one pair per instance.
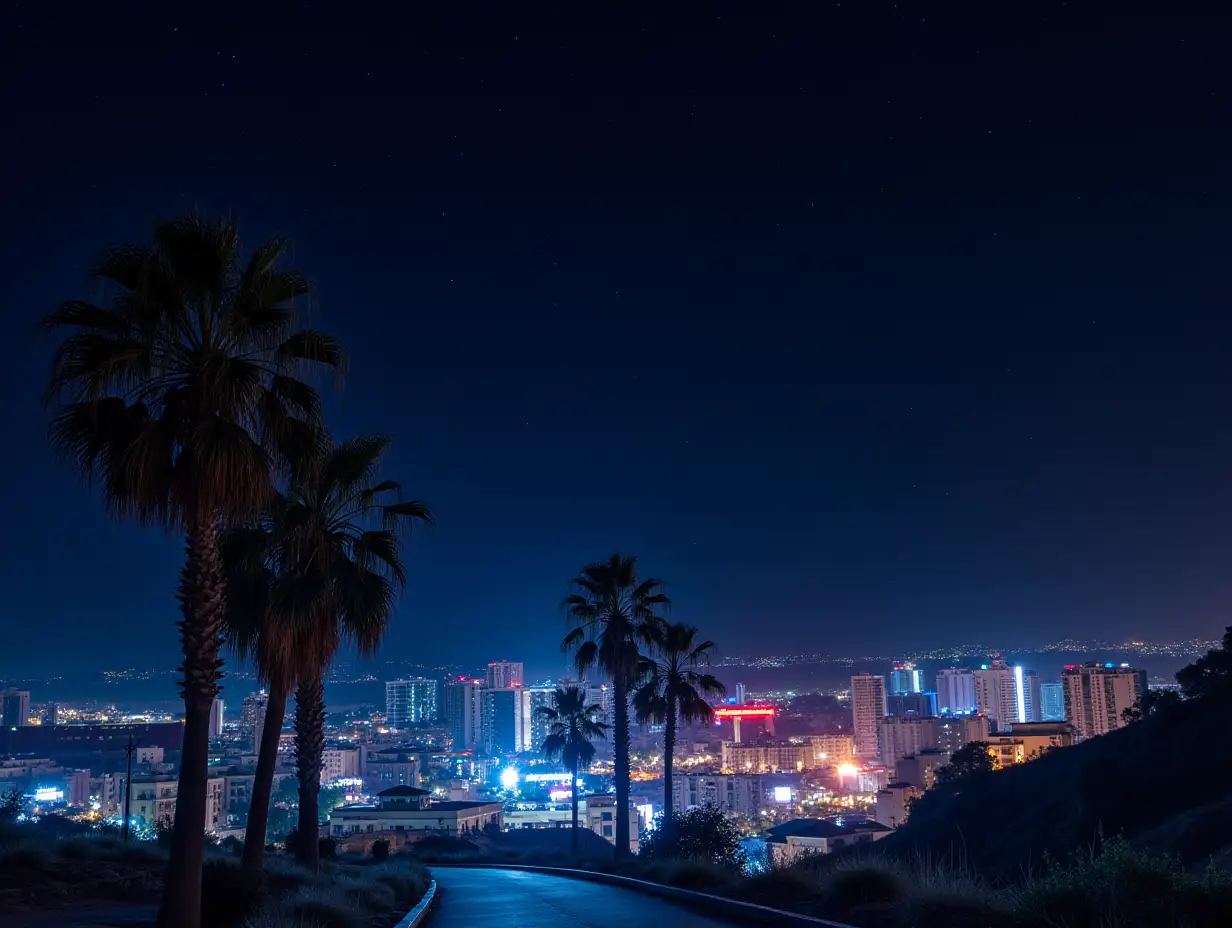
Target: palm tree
{"points": [[615, 613], [675, 689], [339, 540], [572, 726], [178, 396], [256, 629]]}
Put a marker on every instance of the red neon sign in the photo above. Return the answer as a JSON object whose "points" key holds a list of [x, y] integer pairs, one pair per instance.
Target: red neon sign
{"points": [[735, 712]]}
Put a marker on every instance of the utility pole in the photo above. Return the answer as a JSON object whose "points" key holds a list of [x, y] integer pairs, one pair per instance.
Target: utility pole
{"points": [[128, 786]]}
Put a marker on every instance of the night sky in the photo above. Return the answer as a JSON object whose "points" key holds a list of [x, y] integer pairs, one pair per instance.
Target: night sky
{"points": [[871, 326]]}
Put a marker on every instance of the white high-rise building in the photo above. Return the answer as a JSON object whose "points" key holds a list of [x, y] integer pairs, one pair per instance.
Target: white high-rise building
{"points": [[1097, 695], [868, 708], [411, 702], [216, 711], [464, 713], [996, 694], [955, 691], [1027, 695], [503, 675], [252, 717]]}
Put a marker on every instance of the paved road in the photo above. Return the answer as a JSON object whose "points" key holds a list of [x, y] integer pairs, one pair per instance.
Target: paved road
{"points": [[475, 898]]}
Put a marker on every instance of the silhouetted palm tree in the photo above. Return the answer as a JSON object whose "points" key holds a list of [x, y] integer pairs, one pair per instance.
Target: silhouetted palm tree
{"points": [[615, 612], [674, 687], [572, 727], [257, 629], [339, 541], [177, 396]]}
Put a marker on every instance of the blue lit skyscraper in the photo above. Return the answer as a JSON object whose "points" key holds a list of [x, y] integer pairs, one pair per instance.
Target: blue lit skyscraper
{"points": [[906, 679], [1052, 702]]}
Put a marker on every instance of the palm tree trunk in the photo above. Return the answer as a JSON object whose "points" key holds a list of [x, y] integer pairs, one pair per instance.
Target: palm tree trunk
{"points": [[621, 694], [309, 743], [202, 596], [573, 842], [263, 782], [669, 748]]}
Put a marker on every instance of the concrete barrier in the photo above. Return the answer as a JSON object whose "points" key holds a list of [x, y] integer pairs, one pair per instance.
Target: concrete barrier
{"points": [[719, 906], [415, 917]]}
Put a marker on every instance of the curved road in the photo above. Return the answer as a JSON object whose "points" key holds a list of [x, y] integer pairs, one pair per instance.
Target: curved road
{"points": [[476, 898]]}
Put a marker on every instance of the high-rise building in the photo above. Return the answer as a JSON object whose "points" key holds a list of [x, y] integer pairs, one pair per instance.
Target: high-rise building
{"points": [[741, 694], [1027, 695], [504, 719], [901, 738], [905, 678], [252, 717], [1097, 695], [955, 691], [216, 711], [868, 708], [537, 697], [14, 708], [1052, 702], [464, 713], [996, 695], [917, 705], [503, 675], [411, 702]]}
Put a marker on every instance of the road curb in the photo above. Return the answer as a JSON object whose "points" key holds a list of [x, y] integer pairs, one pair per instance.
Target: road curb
{"points": [[415, 917], [747, 912]]}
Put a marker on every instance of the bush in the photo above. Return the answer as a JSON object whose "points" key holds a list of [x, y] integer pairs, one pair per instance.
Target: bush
{"points": [[1119, 886], [380, 850], [697, 835]]}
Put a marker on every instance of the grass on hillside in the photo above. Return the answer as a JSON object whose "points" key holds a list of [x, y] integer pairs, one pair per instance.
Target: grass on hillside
{"points": [[57, 867]]}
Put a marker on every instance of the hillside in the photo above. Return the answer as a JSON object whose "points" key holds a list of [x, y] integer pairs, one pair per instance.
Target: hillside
{"points": [[1162, 782]]}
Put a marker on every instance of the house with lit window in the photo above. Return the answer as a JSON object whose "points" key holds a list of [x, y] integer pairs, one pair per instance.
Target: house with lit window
{"points": [[403, 814]]}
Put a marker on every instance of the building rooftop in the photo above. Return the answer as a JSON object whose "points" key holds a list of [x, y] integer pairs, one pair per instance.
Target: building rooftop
{"points": [[820, 828], [403, 790]]}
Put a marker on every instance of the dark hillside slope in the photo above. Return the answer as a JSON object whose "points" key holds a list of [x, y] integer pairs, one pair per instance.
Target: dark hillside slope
{"points": [[1164, 782]]}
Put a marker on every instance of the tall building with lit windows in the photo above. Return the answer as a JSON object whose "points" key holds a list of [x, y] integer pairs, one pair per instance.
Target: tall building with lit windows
{"points": [[1052, 702], [464, 713], [252, 717], [906, 678], [14, 708], [503, 675], [955, 691], [868, 708], [411, 702], [996, 694], [1097, 695]]}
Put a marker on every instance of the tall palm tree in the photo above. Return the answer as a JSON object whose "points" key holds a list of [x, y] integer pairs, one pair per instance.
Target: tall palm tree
{"points": [[257, 629], [177, 394], [572, 727], [340, 546], [615, 613], [674, 688]]}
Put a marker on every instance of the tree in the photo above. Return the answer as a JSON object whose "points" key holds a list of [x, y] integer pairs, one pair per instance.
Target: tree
{"points": [[1150, 703], [701, 835], [971, 760], [615, 614], [572, 727], [674, 688], [1210, 674], [250, 555], [341, 546], [178, 396]]}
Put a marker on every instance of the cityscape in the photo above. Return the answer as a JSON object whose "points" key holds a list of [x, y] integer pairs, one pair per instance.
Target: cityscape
{"points": [[592, 466]]}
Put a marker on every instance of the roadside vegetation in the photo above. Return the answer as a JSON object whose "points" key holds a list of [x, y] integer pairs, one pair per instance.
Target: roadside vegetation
{"points": [[57, 864]]}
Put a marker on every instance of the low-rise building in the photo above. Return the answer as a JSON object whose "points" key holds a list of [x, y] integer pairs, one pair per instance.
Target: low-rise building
{"points": [[804, 837], [894, 803], [730, 792], [601, 819], [337, 763], [767, 757], [832, 750], [405, 813]]}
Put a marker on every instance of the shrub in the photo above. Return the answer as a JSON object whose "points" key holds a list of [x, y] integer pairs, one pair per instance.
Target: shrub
{"points": [[1120, 886], [380, 850], [697, 835], [229, 893]]}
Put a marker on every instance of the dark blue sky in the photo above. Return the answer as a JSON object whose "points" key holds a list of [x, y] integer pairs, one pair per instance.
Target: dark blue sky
{"points": [[878, 323]]}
